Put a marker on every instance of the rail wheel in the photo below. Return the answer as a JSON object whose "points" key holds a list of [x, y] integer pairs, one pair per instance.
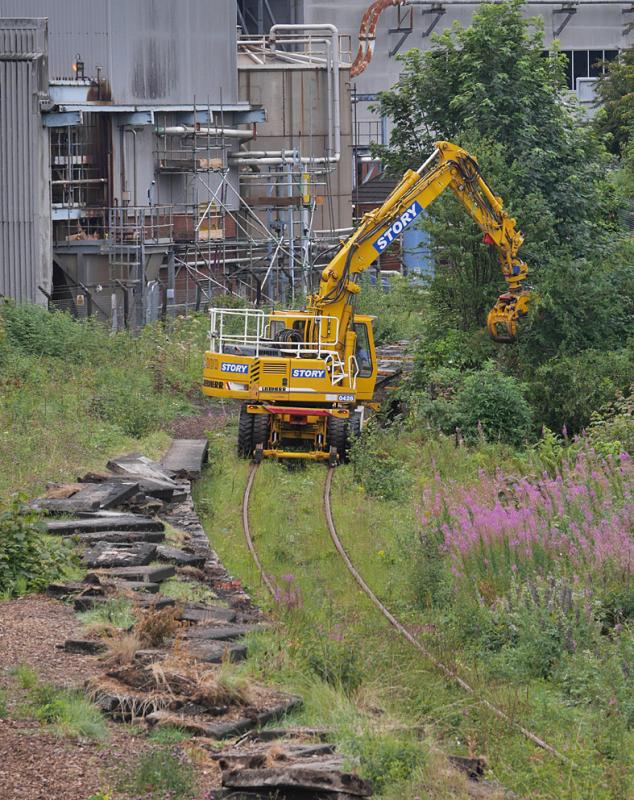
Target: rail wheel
{"points": [[246, 444]]}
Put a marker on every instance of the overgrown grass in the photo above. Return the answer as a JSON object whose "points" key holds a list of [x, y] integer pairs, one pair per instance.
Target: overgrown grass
{"points": [[160, 773], [67, 711], [187, 591], [166, 735], [71, 392], [116, 613], [4, 704]]}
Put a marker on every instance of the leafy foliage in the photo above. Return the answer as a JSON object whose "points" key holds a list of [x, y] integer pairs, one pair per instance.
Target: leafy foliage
{"points": [[29, 559], [379, 471], [490, 88], [615, 91], [492, 405]]}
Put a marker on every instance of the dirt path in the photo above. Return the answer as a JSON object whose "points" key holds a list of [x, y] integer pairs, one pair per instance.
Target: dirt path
{"points": [[30, 629], [35, 763]]}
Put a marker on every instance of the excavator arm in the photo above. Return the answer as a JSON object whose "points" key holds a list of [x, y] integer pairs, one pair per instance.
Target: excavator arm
{"points": [[450, 167]]}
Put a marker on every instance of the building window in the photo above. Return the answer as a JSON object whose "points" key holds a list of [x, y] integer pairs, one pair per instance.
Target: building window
{"points": [[586, 64]]}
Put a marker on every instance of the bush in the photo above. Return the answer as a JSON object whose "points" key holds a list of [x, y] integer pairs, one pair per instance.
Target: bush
{"points": [[567, 390], [29, 559], [493, 406], [35, 331], [385, 759], [380, 472], [127, 398]]}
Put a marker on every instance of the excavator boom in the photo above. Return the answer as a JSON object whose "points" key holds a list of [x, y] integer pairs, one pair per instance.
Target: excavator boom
{"points": [[450, 167]]}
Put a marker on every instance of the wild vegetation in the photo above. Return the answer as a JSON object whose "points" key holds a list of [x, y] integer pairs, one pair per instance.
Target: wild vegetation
{"points": [[71, 391], [493, 514]]}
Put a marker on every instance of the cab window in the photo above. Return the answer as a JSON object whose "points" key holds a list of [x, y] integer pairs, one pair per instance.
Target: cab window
{"points": [[362, 350]]}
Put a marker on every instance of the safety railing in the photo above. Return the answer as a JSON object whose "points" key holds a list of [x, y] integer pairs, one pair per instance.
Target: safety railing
{"points": [[254, 332]]}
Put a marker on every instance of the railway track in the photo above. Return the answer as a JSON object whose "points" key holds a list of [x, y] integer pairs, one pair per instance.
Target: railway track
{"points": [[449, 673]]}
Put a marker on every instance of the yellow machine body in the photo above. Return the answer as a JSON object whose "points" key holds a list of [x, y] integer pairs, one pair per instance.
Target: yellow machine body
{"points": [[305, 377]]}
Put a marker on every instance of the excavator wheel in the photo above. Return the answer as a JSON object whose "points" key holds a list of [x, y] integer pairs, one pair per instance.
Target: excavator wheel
{"points": [[337, 437], [260, 430], [245, 433]]}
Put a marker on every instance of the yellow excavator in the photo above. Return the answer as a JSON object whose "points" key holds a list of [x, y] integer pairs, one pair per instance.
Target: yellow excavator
{"points": [[306, 377]]}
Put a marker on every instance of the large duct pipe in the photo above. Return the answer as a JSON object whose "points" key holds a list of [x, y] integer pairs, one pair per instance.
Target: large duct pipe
{"points": [[367, 34], [188, 130]]}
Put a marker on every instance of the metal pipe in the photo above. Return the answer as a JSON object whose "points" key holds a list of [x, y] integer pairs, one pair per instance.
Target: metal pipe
{"points": [[334, 53], [422, 167], [188, 130], [239, 155], [133, 132], [253, 162]]}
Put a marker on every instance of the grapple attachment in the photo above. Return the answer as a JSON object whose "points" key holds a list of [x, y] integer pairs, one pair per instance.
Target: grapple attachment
{"points": [[502, 319]]}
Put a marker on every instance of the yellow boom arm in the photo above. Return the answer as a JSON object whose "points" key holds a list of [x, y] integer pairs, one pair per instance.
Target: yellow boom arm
{"points": [[448, 166]]}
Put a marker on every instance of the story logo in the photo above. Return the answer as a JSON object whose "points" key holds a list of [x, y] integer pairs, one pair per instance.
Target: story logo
{"points": [[308, 373], [229, 366], [398, 226]]}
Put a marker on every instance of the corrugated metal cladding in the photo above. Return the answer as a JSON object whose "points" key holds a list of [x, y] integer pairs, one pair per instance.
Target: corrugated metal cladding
{"points": [[151, 51], [25, 239]]}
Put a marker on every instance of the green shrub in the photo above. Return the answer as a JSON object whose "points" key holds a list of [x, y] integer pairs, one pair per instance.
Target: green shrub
{"points": [[29, 559], [376, 468], [35, 331], [601, 677], [4, 706], [127, 398], [384, 759], [567, 390], [160, 774], [493, 406]]}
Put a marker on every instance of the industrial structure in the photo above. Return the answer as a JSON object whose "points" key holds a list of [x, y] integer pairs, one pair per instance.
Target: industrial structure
{"points": [[154, 153], [156, 172]]}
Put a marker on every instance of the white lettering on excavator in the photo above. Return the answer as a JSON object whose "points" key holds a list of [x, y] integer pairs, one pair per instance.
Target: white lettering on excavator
{"points": [[399, 225], [308, 373], [230, 366]]}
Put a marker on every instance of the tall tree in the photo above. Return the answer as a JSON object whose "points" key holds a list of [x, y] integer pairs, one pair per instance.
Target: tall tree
{"points": [[490, 88], [615, 93]]}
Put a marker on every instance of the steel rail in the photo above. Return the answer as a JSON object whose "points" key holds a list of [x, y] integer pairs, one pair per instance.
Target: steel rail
{"points": [[446, 671], [247, 530]]}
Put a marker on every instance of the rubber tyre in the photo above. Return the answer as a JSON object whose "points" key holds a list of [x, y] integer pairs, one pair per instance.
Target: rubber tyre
{"points": [[245, 433], [260, 429], [337, 436]]}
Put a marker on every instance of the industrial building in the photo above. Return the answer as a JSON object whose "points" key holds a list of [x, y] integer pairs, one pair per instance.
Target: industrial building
{"points": [[154, 154], [146, 170]]}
